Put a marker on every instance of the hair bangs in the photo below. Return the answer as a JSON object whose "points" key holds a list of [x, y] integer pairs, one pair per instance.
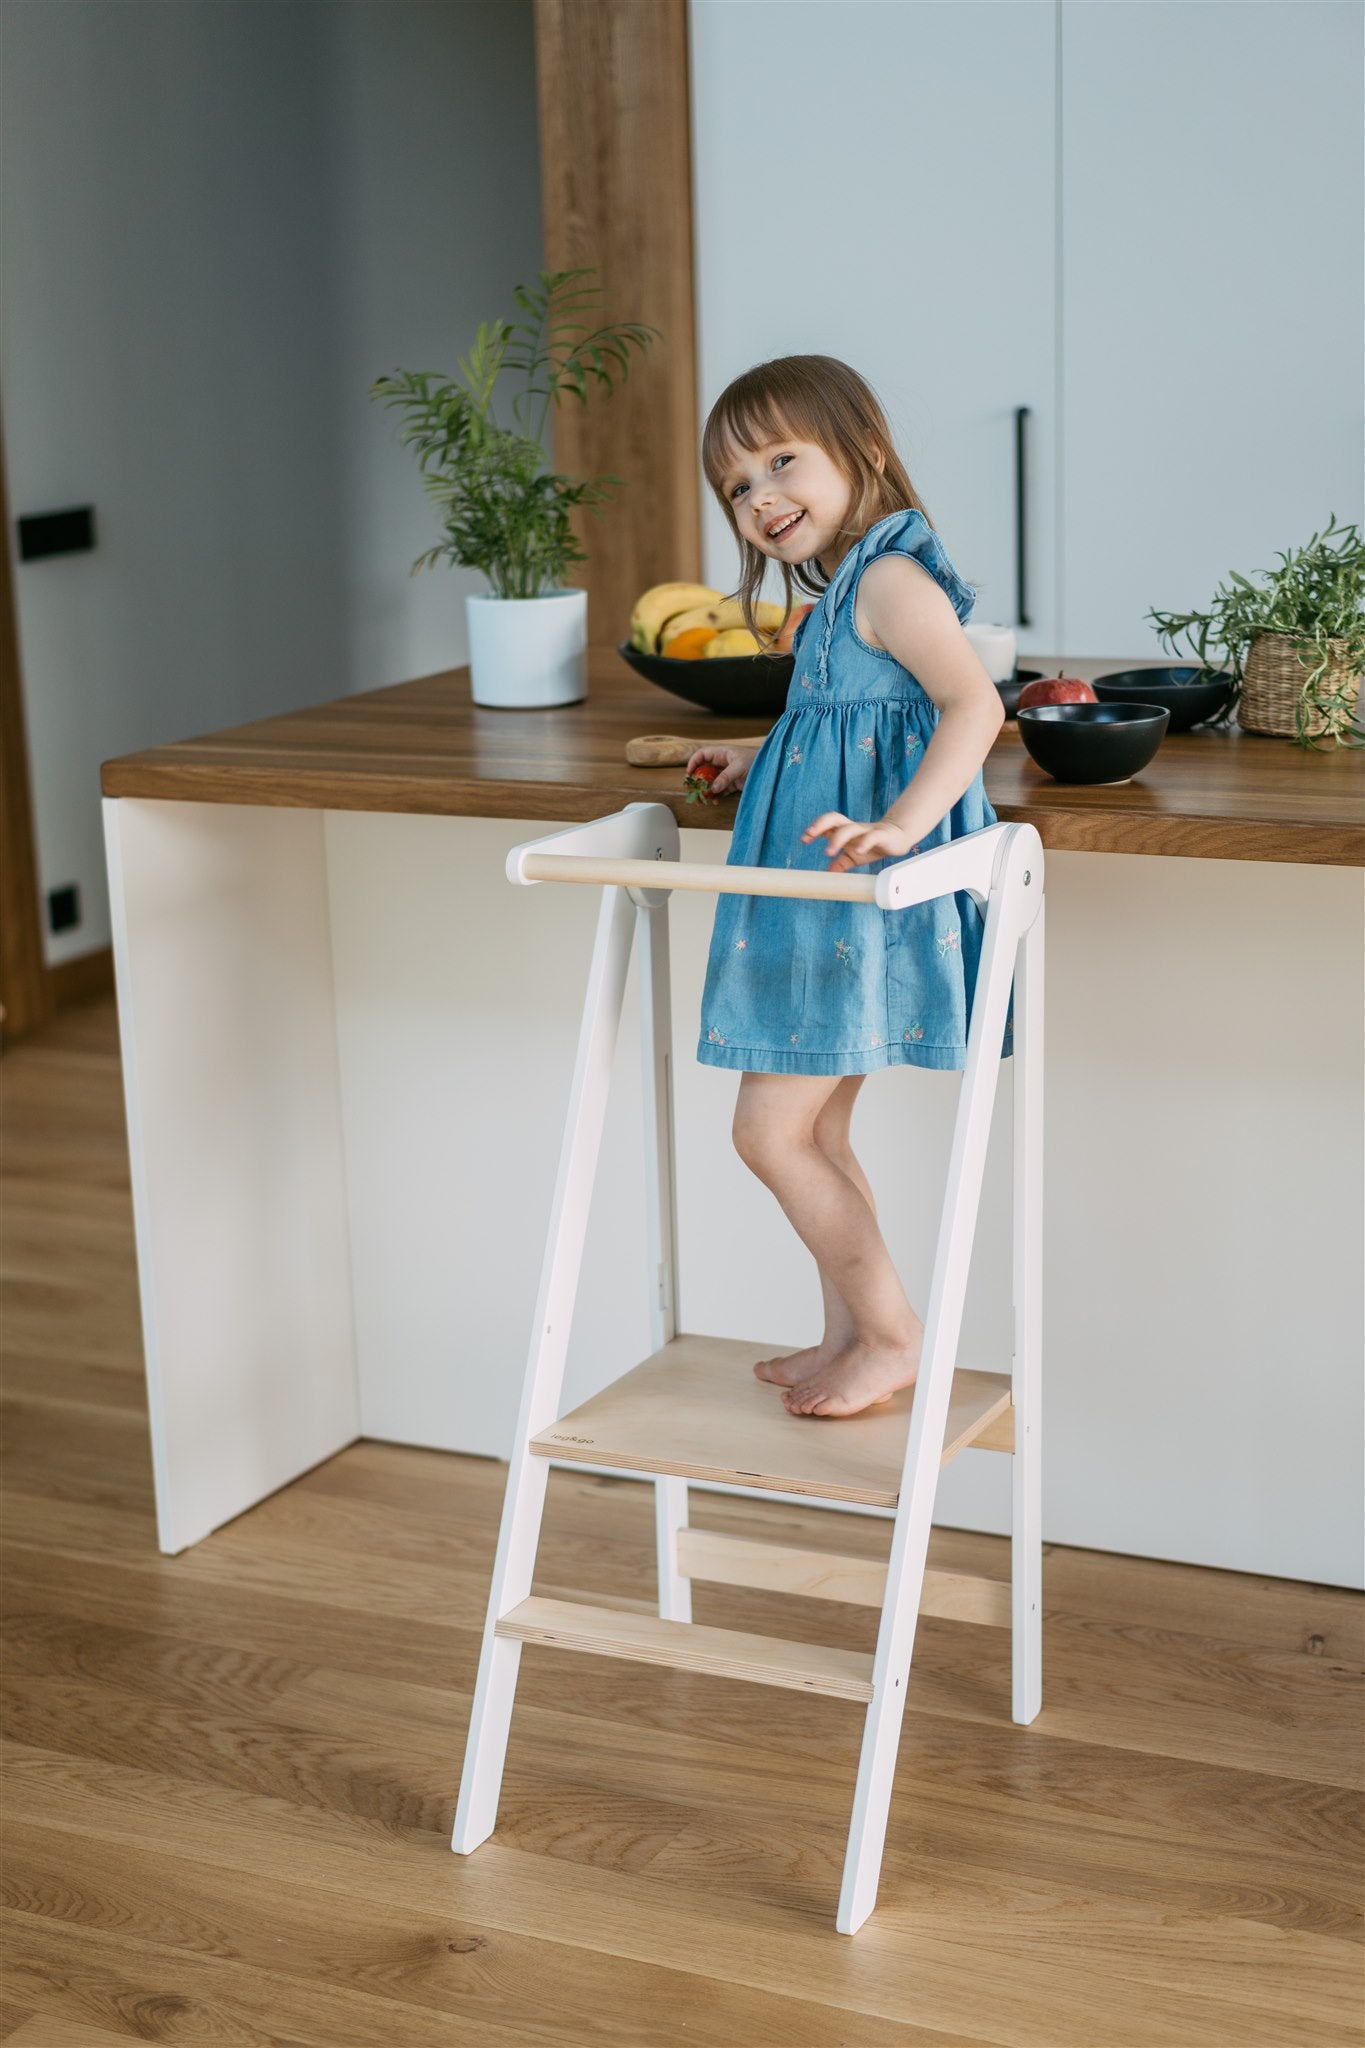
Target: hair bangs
{"points": [[749, 415]]}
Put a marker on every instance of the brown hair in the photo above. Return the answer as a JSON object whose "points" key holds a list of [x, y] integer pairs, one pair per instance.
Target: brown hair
{"points": [[820, 400]]}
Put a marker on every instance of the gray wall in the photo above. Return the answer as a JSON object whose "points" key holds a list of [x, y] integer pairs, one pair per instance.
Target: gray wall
{"points": [[218, 224]]}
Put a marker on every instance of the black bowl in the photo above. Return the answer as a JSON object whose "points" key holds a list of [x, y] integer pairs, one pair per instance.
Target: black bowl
{"points": [[733, 686], [1191, 695], [1009, 692], [1093, 742]]}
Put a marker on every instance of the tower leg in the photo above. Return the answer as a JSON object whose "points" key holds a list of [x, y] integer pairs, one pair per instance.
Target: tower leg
{"points": [[876, 1770], [656, 1045], [929, 1415], [527, 1478], [490, 1718], [670, 1517], [1026, 1548]]}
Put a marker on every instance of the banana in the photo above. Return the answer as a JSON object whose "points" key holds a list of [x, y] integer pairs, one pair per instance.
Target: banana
{"points": [[734, 640], [723, 617], [682, 622], [730, 613], [658, 605]]}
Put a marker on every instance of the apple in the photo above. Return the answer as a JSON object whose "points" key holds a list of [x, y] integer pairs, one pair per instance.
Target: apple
{"points": [[1058, 689], [783, 642]]}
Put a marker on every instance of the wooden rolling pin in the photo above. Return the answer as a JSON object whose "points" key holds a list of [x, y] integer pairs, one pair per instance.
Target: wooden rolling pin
{"points": [[666, 750]]}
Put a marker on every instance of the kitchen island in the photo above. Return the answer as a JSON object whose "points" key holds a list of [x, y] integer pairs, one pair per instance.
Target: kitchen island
{"points": [[347, 1046]]}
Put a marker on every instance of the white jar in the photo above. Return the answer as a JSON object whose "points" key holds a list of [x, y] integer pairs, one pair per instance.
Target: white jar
{"points": [[528, 652], [997, 647]]}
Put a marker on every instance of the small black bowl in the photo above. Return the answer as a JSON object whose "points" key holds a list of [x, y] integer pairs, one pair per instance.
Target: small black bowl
{"points": [[1093, 742], [1009, 692], [733, 686], [1191, 695]]}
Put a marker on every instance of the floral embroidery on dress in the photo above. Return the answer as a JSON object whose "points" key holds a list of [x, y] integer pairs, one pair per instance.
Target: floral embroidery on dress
{"points": [[876, 1041], [946, 943], [913, 743], [793, 1038], [806, 683], [713, 1037], [795, 758], [868, 746], [843, 952], [740, 945], [913, 1035]]}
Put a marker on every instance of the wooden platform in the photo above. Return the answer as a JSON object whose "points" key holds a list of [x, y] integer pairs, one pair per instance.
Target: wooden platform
{"points": [[696, 1410], [684, 1646]]}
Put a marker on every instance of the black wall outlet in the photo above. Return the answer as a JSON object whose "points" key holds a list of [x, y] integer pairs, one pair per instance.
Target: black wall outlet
{"points": [[63, 908], [56, 533]]}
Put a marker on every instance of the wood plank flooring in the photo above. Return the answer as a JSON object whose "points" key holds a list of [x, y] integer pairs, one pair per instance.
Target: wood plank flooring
{"points": [[230, 1776]]}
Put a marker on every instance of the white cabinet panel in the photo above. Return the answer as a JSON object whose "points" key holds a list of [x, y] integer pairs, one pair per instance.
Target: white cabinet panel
{"points": [[1212, 298], [877, 183]]}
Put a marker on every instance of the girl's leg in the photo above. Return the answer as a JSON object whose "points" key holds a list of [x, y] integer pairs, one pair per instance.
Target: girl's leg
{"points": [[832, 1136], [775, 1118]]}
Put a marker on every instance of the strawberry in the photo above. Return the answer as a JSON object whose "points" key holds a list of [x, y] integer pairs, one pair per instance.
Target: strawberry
{"points": [[698, 784]]}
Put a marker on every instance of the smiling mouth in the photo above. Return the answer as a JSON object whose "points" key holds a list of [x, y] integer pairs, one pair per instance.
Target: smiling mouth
{"points": [[784, 527]]}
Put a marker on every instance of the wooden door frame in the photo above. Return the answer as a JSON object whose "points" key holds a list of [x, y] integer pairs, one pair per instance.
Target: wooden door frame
{"points": [[26, 986], [613, 85]]}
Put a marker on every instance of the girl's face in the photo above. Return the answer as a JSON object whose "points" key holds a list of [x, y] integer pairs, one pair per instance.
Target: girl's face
{"points": [[790, 501]]}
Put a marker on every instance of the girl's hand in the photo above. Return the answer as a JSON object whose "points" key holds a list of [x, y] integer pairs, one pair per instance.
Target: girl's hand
{"points": [[849, 844], [734, 764]]}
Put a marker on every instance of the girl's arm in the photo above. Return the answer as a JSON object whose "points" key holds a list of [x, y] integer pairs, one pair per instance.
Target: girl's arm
{"points": [[912, 617]]}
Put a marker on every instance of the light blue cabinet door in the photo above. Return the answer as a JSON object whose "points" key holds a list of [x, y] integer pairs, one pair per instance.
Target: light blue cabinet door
{"points": [[1212, 298], [877, 182]]}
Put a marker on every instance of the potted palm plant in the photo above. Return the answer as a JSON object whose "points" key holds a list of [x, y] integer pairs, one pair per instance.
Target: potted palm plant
{"points": [[505, 510], [1294, 643]]}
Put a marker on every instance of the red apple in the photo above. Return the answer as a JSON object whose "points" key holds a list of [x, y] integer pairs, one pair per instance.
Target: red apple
{"points": [[1058, 689], [783, 642]]}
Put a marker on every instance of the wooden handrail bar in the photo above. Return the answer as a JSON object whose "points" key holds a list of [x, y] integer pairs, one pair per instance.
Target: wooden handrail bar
{"points": [[699, 875], [615, 854]]}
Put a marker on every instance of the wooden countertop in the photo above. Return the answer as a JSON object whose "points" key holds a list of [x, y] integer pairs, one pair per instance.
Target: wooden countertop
{"points": [[423, 747]]}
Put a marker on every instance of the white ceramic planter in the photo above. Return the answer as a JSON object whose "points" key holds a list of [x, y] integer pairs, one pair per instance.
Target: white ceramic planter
{"points": [[527, 652]]}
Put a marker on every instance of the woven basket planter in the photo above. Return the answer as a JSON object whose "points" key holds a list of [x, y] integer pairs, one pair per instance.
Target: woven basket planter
{"points": [[1273, 681]]}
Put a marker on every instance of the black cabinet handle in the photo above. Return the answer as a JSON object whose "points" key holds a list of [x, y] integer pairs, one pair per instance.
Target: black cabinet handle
{"points": [[1021, 415]]}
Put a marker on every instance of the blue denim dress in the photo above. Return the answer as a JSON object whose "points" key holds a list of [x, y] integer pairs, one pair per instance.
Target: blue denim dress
{"points": [[798, 987]]}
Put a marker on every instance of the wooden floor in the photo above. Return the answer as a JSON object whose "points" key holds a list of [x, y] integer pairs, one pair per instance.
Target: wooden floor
{"points": [[231, 1775]]}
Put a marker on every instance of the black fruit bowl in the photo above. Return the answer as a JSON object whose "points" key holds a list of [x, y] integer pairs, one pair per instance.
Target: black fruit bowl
{"points": [[1093, 742], [735, 686], [1009, 692], [1191, 695]]}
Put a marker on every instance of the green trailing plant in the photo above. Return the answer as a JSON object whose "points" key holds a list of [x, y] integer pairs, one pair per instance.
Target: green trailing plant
{"points": [[505, 510], [1316, 598]]}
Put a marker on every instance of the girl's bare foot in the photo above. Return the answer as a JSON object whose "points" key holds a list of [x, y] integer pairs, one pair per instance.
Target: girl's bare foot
{"points": [[794, 1366], [860, 1377]]}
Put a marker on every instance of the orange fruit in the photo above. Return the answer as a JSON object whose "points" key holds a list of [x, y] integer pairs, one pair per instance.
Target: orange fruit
{"points": [[691, 645]]}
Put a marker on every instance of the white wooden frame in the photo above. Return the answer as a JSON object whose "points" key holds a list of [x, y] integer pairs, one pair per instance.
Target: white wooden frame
{"points": [[1002, 868]]}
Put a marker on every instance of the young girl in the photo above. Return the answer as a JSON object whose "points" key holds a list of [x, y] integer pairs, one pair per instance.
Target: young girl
{"points": [[878, 755]]}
